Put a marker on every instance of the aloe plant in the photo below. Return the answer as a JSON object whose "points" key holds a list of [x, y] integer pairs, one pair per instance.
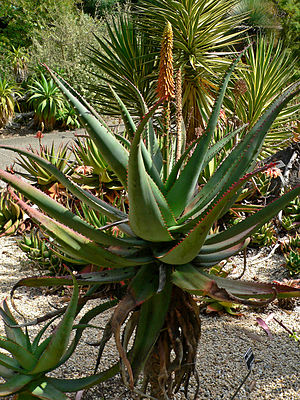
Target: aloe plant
{"points": [[11, 215], [166, 243]]}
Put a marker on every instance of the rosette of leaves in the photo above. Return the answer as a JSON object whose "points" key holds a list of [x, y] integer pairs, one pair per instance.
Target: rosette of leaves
{"points": [[167, 243], [38, 249], [11, 215], [265, 236], [38, 175], [8, 93], [46, 100], [25, 365], [90, 169], [290, 248]]}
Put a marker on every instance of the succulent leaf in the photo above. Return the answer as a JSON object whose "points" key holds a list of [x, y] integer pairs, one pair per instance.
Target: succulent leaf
{"points": [[198, 282], [183, 189], [113, 152], [60, 337]]}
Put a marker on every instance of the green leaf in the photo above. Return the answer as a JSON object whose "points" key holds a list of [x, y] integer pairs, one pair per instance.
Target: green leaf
{"points": [[240, 160], [239, 232], [79, 247], [14, 334], [112, 151], [74, 385], [60, 337], [9, 364], [188, 248], [151, 319], [213, 258], [91, 278], [144, 202], [21, 354], [14, 384], [61, 213], [197, 282], [183, 188], [46, 391], [94, 312]]}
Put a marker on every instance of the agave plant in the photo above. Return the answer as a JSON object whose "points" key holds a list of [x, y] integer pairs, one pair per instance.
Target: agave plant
{"points": [[166, 243]]}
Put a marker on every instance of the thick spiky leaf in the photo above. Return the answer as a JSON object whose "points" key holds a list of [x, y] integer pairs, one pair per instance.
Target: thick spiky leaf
{"points": [[21, 354], [209, 155], [91, 278], [80, 247], [111, 149], [60, 337], [61, 213], [240, 231], [74, 385], [81, 326], [45, 391], [126, 117], [188, 248], [147, 206], [9, 364], [15, 334], [151, 320], [196, 281], [183, 189], [14, 384], [90, 200], [240, 160], [209, 259]]}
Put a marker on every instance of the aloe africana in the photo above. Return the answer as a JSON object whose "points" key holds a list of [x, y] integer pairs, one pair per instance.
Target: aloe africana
{"points": [[166, 243]]}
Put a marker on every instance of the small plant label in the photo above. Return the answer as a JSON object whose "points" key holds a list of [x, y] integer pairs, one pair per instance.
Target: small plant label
{"points": [[249, 358]]}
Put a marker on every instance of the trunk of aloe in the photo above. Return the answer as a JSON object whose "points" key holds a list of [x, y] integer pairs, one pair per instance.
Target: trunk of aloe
{"points": [[172, 361]]}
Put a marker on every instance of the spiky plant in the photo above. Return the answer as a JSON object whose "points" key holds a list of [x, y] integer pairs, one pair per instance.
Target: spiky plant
{"points": [[8, 93], [46, 100], [11, 215], [38, 175], [166, 243]]}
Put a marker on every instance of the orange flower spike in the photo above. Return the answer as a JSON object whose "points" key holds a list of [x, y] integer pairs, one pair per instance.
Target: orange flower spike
{"points": [[166, 85]]}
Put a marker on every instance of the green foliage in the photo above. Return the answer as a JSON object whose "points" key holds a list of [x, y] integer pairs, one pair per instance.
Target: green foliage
{"points": [[89, 168], [203, 34], [19, 18], [265, 236], [25, 368], [261, 15], [8, 93], [166, 244], [67, 117], [46, 100], [124, 55], [37, 248], [63, 46], [268, 69], [11, 215], [40, 176], [291, 251], [99, 8], [290, 13]]}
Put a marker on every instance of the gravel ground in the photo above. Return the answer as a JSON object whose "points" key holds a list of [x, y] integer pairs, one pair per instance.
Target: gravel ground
{"points": [[224, 341]]}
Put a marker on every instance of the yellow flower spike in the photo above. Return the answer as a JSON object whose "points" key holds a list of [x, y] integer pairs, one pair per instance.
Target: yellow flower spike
{"points": [[166, 85]]}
